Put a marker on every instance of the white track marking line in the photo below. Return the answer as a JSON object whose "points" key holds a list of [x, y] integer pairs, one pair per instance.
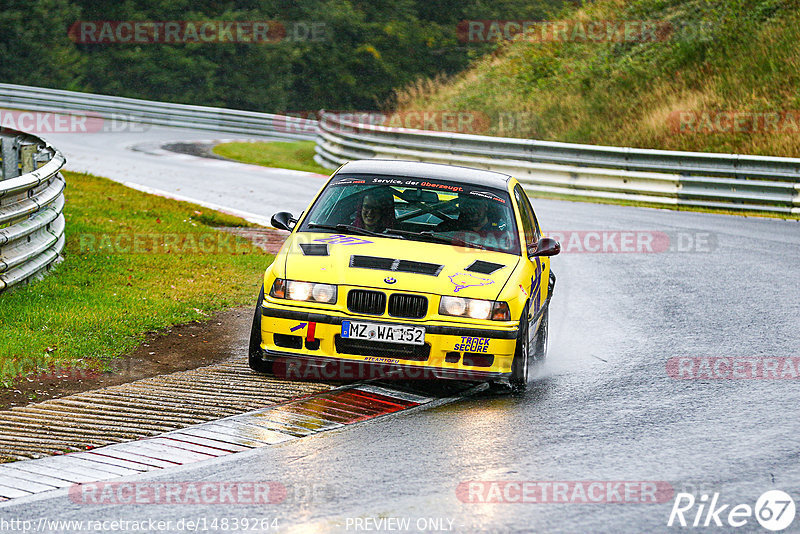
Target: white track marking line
{"points": [[246, 215]]}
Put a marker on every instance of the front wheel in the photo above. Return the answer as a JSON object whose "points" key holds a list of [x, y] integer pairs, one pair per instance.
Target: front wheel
{"points": [[540, 343], [255, 353], [519, 366]]}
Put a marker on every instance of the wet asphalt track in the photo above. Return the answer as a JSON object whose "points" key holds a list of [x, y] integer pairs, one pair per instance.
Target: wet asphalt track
{"points": [[602, 409], [135, 158]]}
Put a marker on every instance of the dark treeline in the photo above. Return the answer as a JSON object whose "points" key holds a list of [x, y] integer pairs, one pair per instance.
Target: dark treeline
{"points": [[366, 49]]}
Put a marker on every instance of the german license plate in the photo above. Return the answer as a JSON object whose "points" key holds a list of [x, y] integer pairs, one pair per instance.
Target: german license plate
{"points": [[386, 333]]}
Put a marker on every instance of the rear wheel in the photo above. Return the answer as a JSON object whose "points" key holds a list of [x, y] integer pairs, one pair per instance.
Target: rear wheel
{"points": [[519, 366], [255, 352]]}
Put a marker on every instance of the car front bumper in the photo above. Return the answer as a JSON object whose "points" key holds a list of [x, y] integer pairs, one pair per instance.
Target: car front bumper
{"points": [[308, 344]]}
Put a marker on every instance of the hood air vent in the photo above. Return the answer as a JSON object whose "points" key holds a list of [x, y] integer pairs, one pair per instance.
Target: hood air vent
{"points": [[314, 249], [389, 264], [371, 262]]}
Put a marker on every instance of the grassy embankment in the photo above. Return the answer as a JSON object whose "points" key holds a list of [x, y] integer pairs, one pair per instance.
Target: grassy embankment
{"points": [[134, 263], [723, 55], [710, 57]]}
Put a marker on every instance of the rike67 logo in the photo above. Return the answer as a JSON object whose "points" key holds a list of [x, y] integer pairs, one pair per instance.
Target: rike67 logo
{"points": [[774, 510]]}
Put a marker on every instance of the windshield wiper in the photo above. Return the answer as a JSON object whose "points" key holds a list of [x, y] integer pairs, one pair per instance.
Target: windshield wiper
{"points": [[437, 238], [347, 228]]}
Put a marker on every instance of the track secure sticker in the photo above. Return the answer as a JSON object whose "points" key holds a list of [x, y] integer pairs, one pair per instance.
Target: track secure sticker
{"points": [[473, 344]]}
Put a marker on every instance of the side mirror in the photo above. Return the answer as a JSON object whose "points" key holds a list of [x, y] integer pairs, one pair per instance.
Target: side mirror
{"points": [[546, 246], [283, 220]]}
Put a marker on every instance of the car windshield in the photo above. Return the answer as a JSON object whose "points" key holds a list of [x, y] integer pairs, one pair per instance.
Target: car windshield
{"points": [[429, 210]]}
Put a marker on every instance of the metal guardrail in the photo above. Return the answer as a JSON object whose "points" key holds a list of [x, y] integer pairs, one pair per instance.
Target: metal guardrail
{"points": [[718, 181], [31, 205], [120, 110]]}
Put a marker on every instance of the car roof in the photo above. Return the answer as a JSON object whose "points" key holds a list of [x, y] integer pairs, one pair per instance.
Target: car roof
{"points": [[430, 171]]}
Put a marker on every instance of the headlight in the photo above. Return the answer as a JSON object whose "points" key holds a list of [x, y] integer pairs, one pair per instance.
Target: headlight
{"points": [[479, 309], [453, 306], [324, 293], [475, 308], [299, 290], [303, 291]]}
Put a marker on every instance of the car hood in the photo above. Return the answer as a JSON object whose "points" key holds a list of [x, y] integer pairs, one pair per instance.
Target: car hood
{"points": [[397, 264]]}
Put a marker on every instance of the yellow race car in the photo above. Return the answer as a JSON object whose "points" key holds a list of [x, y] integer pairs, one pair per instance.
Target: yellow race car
{"points": [[408, 270]]}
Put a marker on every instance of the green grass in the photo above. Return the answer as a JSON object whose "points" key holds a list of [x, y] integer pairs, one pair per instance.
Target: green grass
{"points": [[726, 56], [296, 155], [107, 294]]}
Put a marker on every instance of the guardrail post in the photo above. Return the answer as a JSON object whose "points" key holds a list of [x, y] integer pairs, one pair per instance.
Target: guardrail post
{"points": [[31, 216], [10, 157], [27, 158]]}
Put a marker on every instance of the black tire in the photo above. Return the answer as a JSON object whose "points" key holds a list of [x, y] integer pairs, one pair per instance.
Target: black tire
{"points": [[255, 354], [540, 343], [520, 364]]}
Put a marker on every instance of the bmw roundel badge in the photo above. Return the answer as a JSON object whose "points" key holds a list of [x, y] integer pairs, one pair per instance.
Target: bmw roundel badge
{"points": [[389, 280]]}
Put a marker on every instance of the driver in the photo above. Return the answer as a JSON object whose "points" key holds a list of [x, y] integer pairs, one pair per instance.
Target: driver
{"points": [[473, 216], [375, 212]]}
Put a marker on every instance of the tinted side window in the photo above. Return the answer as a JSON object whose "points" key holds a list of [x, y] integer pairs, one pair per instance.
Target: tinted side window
{"points": [[536, 231], [528, 218]]}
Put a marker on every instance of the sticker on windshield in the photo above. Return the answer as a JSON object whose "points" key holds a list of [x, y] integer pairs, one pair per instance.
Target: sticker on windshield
{"points": [[487, 194], [398, 182], [464, 280], [349, 181], [338, 239]]}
